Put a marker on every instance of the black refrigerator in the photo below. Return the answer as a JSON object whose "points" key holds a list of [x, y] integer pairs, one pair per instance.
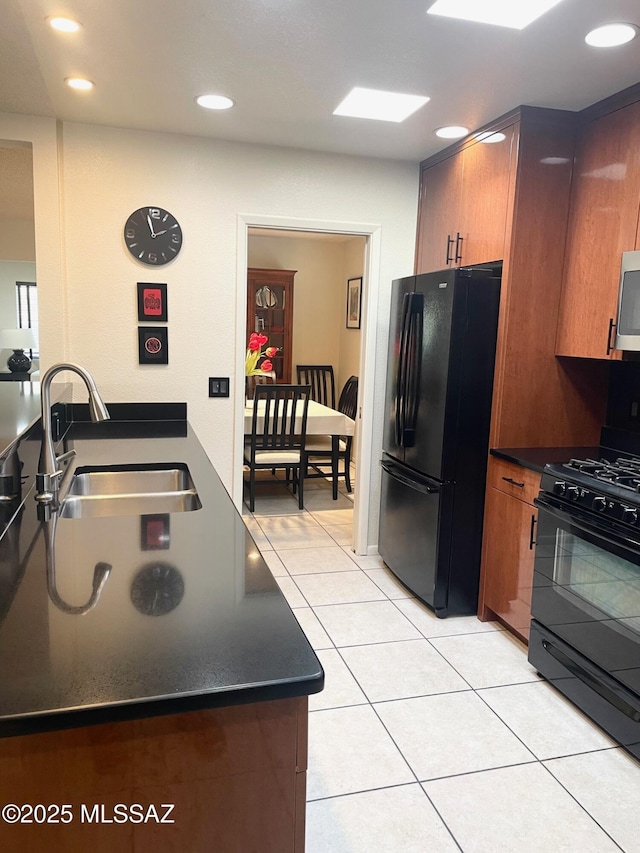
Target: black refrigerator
{"points": [[438, 409]]}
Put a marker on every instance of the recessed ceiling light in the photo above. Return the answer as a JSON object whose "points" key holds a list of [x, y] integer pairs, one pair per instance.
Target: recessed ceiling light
{"points": [[490, 136], [611, 35], [503, 13], [79, 83], [382, 106], [454, 131], [215, 102], [64, 25]]}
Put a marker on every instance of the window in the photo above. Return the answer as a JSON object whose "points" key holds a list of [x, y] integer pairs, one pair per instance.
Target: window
{"points": [[27, 308]]}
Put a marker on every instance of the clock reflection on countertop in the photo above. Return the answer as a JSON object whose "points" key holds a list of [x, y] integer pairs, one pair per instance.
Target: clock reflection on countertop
{"points": [[157, 589], [153, 236]]}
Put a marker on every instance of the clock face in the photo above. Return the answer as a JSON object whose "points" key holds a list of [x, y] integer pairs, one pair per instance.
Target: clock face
{"points": [[153, 236]]}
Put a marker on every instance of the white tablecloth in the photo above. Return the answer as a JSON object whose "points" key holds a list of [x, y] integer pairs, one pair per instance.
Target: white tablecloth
{"points": [[321, 420]]}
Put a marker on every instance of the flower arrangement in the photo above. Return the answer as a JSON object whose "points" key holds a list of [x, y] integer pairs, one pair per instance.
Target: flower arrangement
{"points": [[255, 353]]}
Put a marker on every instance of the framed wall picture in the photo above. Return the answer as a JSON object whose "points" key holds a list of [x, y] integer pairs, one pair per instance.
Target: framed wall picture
{"points": [[152, 302], [354, 302], [153, 345], [155, 532]]}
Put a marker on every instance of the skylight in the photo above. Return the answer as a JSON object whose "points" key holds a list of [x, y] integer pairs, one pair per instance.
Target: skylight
{"points": [[504, 13], [383, 106]]}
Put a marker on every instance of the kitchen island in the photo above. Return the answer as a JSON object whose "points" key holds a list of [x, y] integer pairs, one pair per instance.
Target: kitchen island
{"points": [[185, 684]]}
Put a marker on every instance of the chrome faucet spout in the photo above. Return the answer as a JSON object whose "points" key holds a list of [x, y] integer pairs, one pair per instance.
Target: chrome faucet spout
{"points": [[49, 472], [101, 574]]}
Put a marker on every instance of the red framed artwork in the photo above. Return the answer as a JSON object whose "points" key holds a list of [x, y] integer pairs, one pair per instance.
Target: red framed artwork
{"points": [[152, 302]]}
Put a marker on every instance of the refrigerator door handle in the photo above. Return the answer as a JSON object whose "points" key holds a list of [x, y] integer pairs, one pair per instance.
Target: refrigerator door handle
{"points": [[418, 485], [414, 353], [401, 370], [408, 369]]}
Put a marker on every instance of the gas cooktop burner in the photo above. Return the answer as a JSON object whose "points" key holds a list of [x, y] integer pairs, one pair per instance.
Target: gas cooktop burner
{"points": [[623, 471]]}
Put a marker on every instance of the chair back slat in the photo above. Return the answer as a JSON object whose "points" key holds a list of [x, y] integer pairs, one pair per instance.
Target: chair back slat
{"points": [[348, 403], [321, 379], [279, 420]]}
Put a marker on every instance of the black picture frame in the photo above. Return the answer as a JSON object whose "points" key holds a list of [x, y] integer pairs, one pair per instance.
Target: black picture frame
{"points": [[152, 302], [354, 302], [153, 345], [155, 532]]}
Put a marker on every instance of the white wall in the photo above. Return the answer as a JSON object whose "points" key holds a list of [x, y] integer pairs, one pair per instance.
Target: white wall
{"points": [[17, 239], [88, 311]]}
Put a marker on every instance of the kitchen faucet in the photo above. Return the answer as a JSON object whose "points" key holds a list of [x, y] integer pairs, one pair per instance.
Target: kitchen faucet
{"points": [[49, 470]]}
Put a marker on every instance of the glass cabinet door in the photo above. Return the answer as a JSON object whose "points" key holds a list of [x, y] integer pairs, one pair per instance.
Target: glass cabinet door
{"points": [[270, 312]]}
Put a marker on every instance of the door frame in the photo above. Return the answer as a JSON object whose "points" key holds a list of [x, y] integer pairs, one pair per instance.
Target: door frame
{"points": [[370, 288]]}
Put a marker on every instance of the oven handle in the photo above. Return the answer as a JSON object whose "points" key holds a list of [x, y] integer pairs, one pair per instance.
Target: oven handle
{"points": [[590, 525], [607, 693]]}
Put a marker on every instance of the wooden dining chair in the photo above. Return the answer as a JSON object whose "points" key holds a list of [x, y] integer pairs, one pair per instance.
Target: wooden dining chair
{"points": [[321, 379], [319, 447], [278, 435]]}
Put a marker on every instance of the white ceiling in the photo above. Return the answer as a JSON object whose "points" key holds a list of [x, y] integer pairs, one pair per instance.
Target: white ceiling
{"points": [[288, 63]]}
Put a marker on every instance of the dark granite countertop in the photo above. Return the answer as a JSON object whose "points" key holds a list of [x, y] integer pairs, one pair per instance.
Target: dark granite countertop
{"points": [[190, 615], [536, 458]]}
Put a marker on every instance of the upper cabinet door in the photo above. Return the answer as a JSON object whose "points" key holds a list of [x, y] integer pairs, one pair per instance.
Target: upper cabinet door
{"points": [[438, 213], [603, 218], [463, 206], [482, 222]]}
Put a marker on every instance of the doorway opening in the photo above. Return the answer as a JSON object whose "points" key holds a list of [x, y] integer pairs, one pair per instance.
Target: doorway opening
{"points": [[329, 259]]}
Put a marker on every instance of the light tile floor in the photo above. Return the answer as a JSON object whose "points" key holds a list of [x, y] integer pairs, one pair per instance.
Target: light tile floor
{"points": [[431, 734]]}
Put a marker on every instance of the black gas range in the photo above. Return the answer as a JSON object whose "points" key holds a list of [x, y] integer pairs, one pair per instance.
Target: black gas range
{"points": [[608, 486], [585, 630]]}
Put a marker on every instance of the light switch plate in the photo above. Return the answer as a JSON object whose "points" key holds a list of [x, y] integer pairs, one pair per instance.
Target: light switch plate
{"points": [[218, 386]]}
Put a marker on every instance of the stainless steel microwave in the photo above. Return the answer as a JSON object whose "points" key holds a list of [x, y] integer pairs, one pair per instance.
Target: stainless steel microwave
{"points": [[628, 326]]}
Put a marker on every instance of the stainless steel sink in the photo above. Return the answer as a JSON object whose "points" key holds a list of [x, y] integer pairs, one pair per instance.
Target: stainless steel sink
{"points": [[130, 490]]}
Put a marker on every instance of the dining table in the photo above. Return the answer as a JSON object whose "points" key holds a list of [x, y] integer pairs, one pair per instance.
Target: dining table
{"points": [[321, 420]]}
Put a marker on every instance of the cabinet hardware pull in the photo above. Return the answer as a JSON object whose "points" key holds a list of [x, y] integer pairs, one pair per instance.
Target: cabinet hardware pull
{"points": [[612, 328], [532, 541], [450, 242], [459, 240], [513, 482]]}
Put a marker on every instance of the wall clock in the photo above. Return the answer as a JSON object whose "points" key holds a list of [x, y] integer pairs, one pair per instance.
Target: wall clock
{"points": [[153, 236]]}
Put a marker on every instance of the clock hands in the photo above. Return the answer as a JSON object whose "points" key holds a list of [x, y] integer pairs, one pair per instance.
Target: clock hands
{"points": [[154, 234]]}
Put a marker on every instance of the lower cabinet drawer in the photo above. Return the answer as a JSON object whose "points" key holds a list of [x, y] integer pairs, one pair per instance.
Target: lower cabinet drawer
{"points": [[513, 479]]}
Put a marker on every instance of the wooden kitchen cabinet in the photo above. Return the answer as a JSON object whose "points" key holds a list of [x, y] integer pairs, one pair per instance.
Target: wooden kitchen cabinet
{"points": [[603, 220], [438, 214], [235, 776], [463, 204], [508, 548], [516, 200], [270, 312]]}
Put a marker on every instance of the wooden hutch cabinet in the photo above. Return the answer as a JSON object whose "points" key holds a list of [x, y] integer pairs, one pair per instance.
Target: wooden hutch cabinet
{"points": [[270, 312]]}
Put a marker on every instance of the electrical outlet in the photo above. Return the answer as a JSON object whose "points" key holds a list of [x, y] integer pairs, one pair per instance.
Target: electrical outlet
{"points": [[218, 386]]}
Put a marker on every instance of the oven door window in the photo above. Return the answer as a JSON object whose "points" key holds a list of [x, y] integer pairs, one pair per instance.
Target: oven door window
{"points": [[587, 591], [605, 584]]}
